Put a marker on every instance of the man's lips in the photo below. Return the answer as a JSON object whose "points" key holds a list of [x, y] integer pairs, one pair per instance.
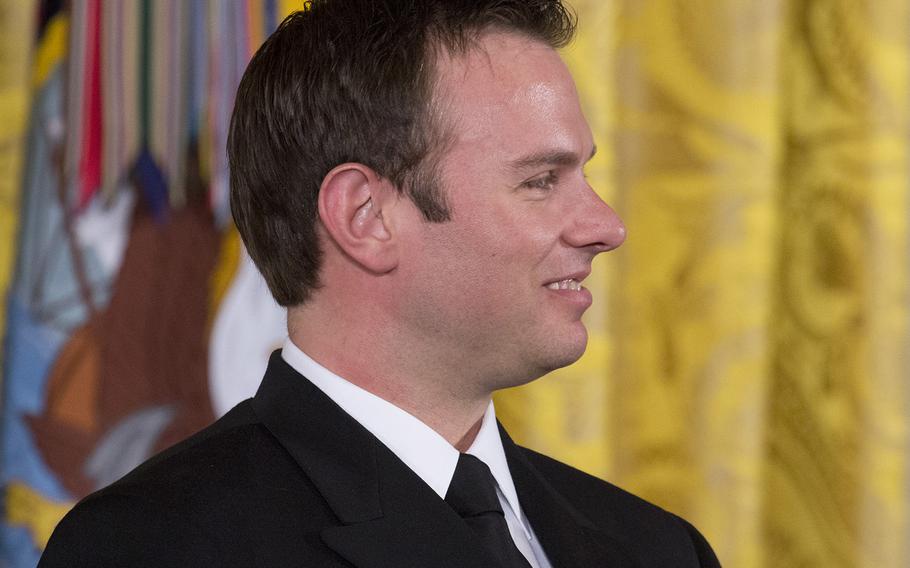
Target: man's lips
{"points": [[567, 284], [568, 288], [568, 281]]}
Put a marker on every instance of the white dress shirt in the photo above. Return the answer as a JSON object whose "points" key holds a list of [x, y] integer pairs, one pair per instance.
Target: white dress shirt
{"points": [[421, 448]]}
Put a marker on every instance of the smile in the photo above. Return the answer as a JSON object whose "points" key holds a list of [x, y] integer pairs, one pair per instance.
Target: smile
{"points": [[567, 284]]}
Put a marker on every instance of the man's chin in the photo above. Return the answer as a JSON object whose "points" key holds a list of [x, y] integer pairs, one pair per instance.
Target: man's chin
{"points": [[548, 356], [564, 353]]}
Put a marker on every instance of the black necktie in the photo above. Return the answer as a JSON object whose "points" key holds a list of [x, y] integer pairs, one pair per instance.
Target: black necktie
{"points": [[472, 494]]}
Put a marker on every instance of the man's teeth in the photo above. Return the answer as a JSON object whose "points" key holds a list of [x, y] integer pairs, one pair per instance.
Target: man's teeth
{"points": [[568, 284]]}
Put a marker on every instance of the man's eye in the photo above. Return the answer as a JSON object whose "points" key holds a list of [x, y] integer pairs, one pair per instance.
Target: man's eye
{"points": [[543, 182]]}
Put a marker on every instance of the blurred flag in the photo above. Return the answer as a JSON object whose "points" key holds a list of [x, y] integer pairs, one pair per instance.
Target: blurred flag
{"points": [[132, 305]]}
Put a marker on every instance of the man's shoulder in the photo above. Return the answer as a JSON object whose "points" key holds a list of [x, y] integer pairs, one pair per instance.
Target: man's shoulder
{"points": [[197, 471], [594, 497], [216, 494], [637, 522], [228, 438], [587, 492]]}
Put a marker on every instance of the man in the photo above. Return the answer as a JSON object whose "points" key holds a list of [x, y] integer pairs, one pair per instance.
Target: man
{"points": [[408, 177]]}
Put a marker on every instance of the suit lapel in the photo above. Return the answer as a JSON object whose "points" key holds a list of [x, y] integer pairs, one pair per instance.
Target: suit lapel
{"points": [[388, 516], [417, 527], [567, 536]]}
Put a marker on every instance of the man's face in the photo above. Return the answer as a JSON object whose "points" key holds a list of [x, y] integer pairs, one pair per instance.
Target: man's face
{"points": [[496, 290]]}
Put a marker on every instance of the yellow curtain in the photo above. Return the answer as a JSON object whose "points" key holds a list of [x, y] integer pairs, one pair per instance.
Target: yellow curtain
{"points": [[15, 50], [747, 367]]}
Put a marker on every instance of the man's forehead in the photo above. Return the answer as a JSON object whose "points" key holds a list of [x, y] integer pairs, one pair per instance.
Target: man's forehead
{"points": [[510, 108], [504, 76], [491, 56]]}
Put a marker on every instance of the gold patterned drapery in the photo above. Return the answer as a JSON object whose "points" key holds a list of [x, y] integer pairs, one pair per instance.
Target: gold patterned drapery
{"points": [[747, 366], [15, 44]]}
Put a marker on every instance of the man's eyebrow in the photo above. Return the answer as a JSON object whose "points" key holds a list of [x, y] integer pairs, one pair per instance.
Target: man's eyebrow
{"points": [[560, 158]]}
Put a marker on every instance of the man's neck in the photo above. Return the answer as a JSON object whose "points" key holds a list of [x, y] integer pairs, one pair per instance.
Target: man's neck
{"points": [[434, 396], [469, 437]]}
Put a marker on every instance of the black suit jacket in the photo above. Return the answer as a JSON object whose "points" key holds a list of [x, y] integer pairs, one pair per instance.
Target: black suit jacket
{"points": [[287, 478]]}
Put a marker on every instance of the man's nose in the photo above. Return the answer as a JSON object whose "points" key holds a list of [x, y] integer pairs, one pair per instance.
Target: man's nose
{"points": [[596, 226]]}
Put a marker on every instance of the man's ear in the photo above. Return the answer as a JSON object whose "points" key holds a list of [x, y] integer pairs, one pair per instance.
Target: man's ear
{"points": [[351, 200]]}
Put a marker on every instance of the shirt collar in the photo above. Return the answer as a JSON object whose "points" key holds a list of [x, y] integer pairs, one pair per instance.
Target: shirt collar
{"points": [[420, 447], [487, 447]]}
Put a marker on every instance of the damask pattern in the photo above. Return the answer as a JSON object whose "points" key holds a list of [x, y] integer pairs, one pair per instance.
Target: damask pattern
{"points": [[836, 441], [749, 352]]}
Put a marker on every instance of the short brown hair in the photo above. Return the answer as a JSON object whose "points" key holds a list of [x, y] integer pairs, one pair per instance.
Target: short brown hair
{"points": [[350, 81]]}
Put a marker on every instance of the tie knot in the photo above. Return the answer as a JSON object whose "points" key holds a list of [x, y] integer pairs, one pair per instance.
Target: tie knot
{"points": [[473, 488]]}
